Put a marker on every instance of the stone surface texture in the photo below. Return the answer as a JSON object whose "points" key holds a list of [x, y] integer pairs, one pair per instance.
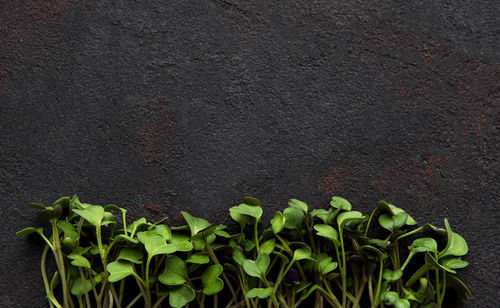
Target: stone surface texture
{"points": [[163, 106]]}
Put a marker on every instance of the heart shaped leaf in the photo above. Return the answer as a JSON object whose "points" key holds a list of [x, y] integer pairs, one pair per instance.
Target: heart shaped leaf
{"points": [[79, 261], [293, 218], [392, 275], [119, 270], [392, 222], [195, 224], [326, 231], [258, 267], [212, 284], [268, 246], [131, 254], [423, 244], [349, 217], [175, 272], [93, 214], [180, 296], [340, 203], [302, 254], [78, 288], [198, 258], [324, 264], [453, 262], [294, 203], [247, 210], [393, 210], [259, 292], [278, 222]]}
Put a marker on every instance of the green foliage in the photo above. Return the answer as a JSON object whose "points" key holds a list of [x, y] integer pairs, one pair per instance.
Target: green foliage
{"points": [[321, 257]]}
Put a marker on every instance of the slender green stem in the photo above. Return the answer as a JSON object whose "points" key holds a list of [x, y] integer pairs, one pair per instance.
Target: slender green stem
{"points": [[84, 283], [379, 282], [359, 292], [256, 235], [44, 273], [273, 295], [332, 299], [161, 299], [132, 303], [60, 261], [369, 221], [343, 270], [424, 269], [115, 296], [440, 300]]}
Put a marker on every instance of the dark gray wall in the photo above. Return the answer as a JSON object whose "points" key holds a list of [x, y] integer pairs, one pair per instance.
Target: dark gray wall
{"points": [[162, 106]]}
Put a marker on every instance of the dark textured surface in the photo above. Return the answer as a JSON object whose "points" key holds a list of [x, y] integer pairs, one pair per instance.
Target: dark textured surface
{"points": [[160, 106]]}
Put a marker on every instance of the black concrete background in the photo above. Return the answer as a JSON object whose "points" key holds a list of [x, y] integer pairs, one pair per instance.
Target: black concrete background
{"points": [[162, 106]]}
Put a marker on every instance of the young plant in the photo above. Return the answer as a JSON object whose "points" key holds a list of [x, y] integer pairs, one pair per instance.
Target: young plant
{"points": [[324, 257]]}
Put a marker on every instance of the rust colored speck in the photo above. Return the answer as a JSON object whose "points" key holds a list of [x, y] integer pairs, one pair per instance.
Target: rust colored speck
{"points": [[155, 132], [332, 184]]}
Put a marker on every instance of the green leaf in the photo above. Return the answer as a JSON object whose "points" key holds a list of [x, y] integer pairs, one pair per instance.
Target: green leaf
{"points": [[325, 264], [392, 222], [268, 246], [302, 254], [340, 203], [456, 245], [349, 217], [248, 245], [30, 230], [393, 210], [155, 244], [423, 244], [180, 296], [119, 270], [431, 262], [78, 287], [36, 206], [131, 254], [175, 272], [251, 201], [453, 262], [258, 267], [293, 218], [259, 292], [326, 231], [402, 303], [79, 261], [299, 205], [195, 224], [389, 298], [198, 258], [219, 230], [238, 257], [278, 222], [93, 214], [136, 225], [392, 275], [51, 213], [161, 230], [64, 202], [247, 210], [321, 214], [212, 284]]}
